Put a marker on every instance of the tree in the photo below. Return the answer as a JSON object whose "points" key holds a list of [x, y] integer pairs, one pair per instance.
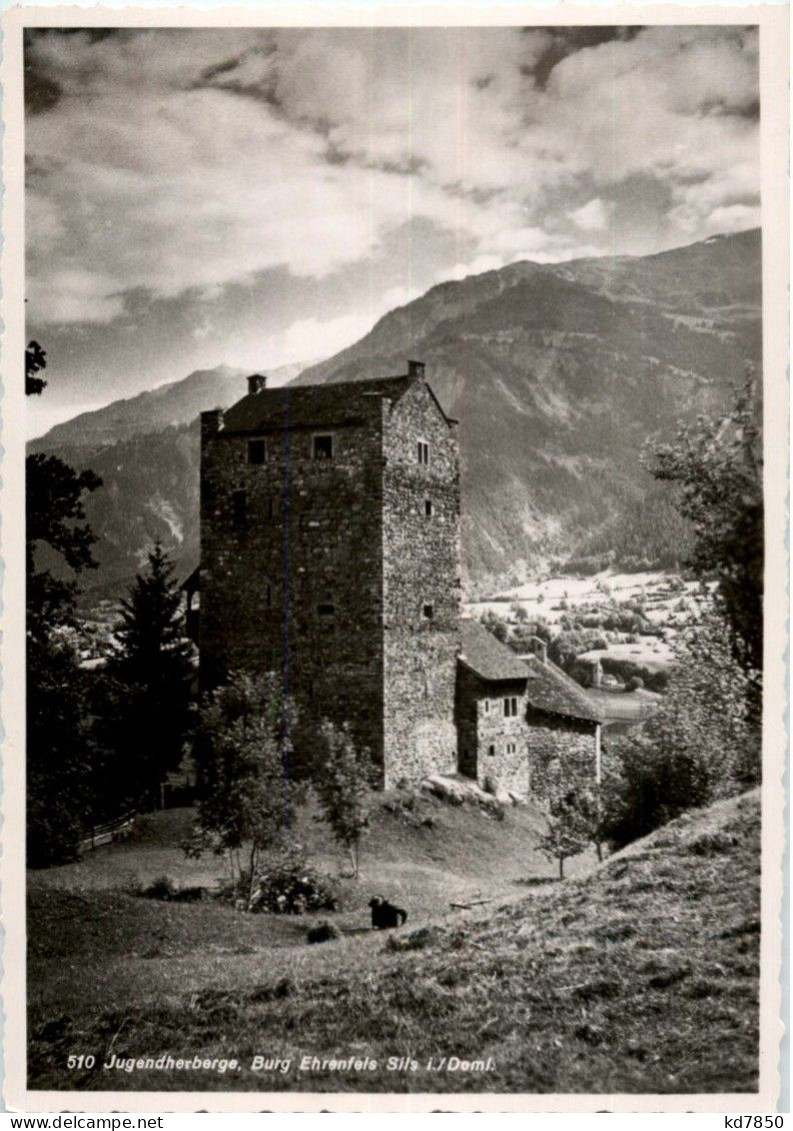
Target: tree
{"points": [[717, 464], [701, 744], [60, 793], [343, 779], [35, 361], [62, 797], [153, 672], [569, 827], [249, 797], [519, 611], [54, 494], [495, 624]]}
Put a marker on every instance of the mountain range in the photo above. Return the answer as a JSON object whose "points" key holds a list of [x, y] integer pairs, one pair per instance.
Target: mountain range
{"points": [[559, 374]]}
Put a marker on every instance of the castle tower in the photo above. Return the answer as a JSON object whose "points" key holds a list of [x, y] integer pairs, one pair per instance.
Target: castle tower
{"points": [[330, 554]]}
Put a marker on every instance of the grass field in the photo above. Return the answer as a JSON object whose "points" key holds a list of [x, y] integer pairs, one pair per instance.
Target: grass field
{"points": [[640, 975]]}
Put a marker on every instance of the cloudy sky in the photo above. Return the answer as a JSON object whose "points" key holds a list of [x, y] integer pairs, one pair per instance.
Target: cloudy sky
{"points": [[259, 196]]}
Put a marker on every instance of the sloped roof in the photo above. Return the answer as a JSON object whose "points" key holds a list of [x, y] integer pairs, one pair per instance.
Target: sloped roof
{"points": [[548, 688], [305, 406], [551, 689], [487, 656]]}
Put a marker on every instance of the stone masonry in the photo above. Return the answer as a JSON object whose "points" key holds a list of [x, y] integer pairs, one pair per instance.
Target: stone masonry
{"points": [[493, 745], [330, 555]]}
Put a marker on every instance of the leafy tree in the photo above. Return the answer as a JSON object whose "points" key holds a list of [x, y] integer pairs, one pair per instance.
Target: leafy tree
{"points": [[570, 826], [54, 494], [59, 779], [153, 674], [35, 361], [249, 797], [343, 779], [700, 745], [519, 612], [718, 467], [495, 624], [62, 793]]}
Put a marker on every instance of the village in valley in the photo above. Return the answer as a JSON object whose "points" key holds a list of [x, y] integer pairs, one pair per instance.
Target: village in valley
{"points": [[394, 720]]}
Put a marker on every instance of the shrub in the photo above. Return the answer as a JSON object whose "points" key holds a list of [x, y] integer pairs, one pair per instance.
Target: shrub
{"points": [[323, 932], [289, 886], [635, 683], [700, 745], [161, 888]]}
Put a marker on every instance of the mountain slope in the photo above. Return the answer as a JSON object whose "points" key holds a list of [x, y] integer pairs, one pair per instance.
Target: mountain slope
{"points": [[178, 402], [558, 375]]}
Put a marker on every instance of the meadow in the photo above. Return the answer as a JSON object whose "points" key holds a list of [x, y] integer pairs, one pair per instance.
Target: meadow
{"points": [[636, 975]]}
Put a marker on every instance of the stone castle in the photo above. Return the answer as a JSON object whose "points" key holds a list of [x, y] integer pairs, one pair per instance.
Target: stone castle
{"points": [[330, 554]]}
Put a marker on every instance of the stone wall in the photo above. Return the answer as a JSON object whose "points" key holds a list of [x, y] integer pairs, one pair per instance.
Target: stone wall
{"points": [[492, 746], [421, 587], [570, 742], [296, 587], [344, 576]]}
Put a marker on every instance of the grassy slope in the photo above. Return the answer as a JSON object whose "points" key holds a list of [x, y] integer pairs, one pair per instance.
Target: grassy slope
{"points": [[639, 977]]}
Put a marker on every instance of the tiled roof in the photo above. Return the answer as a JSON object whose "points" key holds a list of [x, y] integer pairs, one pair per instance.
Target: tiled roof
{"points": [[548, 687], [551, 689], [305, 406], [487, 656]]}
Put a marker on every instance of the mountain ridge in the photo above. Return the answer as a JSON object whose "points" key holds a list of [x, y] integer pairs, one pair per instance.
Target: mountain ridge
{"points": [[557, 373], [153, 410]]}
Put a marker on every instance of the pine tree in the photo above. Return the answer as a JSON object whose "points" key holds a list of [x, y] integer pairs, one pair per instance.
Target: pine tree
{"points": [[153, 674]]}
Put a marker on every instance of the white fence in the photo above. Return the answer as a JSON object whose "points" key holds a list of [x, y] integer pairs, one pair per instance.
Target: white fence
{"points": [[117, 829]]}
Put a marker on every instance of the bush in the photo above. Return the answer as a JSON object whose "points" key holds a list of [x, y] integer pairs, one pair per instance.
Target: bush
{"points": [[289, 886], [323, 932], [635, 683], [701, 744], [161, 888]]}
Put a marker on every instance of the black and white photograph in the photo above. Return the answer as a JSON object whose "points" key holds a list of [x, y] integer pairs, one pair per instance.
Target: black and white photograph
{"points": [[397, 535]]}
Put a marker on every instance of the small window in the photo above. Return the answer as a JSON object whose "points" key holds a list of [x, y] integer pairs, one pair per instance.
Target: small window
{"points": [[491, 751], [510, 748], [257, 451], [511, 707], [486, 706], [423, 452], [239, 508], [326, 610], [428, 612], [323, 447], [428, 508], [272, 507]]}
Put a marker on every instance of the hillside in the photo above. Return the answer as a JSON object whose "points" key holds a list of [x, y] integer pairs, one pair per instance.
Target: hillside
{"points": [[639, 977], [178, 402], [557, 374]]}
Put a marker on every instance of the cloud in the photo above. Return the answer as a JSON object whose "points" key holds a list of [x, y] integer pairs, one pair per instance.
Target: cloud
{"points": [[590, 217], [177, 162]]}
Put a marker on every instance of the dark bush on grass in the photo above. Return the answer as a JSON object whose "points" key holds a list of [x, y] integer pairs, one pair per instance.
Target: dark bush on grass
{"points": [[190, 895], [292, 887], [323, 932], [161, 888]]}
